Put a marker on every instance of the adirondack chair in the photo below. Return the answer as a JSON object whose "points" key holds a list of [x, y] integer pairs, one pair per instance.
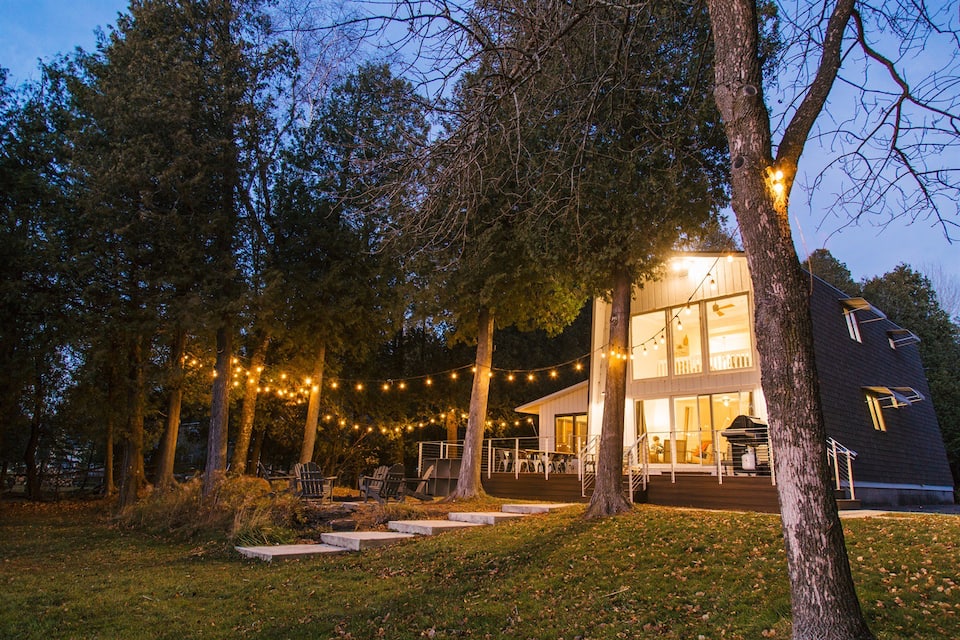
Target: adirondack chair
{"points": [[422, 489], [311, 483], [392, 486], [375, 480], [285, 482]]}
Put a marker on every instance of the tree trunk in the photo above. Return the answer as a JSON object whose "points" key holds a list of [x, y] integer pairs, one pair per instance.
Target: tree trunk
{"points": [[216, 466], [33, 444], [168, 443], [109, 484], [468, 482], [608, 496], [259, 435], [823, 600], [248, 413], [133, 475], [313, 408]]}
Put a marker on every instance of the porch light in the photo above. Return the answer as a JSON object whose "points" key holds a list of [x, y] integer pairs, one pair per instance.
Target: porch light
{"points": [[453, 376], [679, 324], [359, 386], [334, 384]]}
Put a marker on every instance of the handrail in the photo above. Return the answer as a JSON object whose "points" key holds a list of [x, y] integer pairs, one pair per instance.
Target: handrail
{"points": [[837, 455], [587, 454], [633, 461]]}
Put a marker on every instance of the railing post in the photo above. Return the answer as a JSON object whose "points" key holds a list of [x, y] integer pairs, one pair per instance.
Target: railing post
{"points": [[489, 457], [853, 495], [836, 463], [420, 458], [516, 458]]}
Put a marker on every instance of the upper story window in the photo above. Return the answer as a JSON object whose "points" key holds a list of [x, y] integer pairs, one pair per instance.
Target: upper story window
{"points": [[728, 333], [649, 339], [720, 328], [851, 306], [686, 341]]}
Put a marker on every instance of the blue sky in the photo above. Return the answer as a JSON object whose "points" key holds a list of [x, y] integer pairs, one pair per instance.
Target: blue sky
{"points": [[39, 29]]}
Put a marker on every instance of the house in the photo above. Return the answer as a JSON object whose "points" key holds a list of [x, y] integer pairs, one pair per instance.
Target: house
{"points": [[695, 410]]}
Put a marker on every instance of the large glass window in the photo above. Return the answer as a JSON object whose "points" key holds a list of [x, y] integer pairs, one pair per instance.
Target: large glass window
{"points": [[685, 329], [695, 436], [728, 331], [648, 335], [654, 420], [571, 432]]}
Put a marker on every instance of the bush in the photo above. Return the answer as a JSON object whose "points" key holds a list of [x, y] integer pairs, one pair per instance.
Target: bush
{"points": [[242, 510]]}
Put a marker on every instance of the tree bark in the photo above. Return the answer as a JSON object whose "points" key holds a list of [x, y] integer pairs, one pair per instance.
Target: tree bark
{"points": [[250, 394], [216, 466], [109, 484], [168, 443], [468, 482], [823, 599], [133, 474], [33, 442], [313, 407], [608, 496]]}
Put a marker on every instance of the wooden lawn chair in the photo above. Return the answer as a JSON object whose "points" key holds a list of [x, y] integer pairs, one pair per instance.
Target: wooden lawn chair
{"points": [[311, 483], [284, 480], [392, 486], [375, 481], [422, 489]]}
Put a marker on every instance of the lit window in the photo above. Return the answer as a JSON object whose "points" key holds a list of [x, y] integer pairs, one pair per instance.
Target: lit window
{"points": [[852, 326], [648, 335], [685, 332], [728, 332], [571, 432], [850, 308], [876, 412]]}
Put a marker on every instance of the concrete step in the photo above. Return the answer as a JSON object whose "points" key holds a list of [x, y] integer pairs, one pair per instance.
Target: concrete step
{"points": [[845, 504], [360, 540], [485, 517], [535, 508], [287, 551], [429, 527]]}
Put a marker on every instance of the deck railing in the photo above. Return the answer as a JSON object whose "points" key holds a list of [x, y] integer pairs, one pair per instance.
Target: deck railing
{"points": [[841, 460], [636, 460]]}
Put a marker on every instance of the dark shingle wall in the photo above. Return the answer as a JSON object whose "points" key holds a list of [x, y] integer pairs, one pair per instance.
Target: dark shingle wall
{"points": [[911, 450]]}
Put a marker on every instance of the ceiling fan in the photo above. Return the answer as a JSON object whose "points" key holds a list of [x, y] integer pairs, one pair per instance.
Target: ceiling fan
{"points": [[718, 309]]}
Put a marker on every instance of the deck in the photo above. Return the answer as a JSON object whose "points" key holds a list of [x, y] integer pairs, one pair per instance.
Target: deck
{"points": [[690, 490]]}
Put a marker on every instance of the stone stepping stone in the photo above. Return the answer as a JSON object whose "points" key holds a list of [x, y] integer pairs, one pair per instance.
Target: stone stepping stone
{"points": [[287, 551], [485, 517], [360, 540], [429, 527], [535, 508]]}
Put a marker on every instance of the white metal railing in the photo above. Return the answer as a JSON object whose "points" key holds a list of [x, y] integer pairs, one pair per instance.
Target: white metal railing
{"points": [[841, 459], [507, 455], [588, 464], [636, 460]]}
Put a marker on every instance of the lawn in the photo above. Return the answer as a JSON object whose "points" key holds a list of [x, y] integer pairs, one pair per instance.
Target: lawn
{"points": [[69, 572]]}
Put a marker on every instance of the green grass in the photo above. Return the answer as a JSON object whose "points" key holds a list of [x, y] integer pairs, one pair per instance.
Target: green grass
{"points": [[67, 572]]}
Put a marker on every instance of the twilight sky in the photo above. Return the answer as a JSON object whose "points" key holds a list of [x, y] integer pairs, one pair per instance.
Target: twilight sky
{"points": [[39, 29]]}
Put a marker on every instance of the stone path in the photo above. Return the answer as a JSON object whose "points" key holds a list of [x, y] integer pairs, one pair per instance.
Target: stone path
{"points": [[342, 541]]}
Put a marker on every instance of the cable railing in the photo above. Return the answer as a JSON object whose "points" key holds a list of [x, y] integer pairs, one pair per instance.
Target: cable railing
{"points": [[636, 463], [841, 460]]}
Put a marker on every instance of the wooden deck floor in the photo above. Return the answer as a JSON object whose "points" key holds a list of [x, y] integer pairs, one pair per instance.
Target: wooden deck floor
{"points": [[690, 490]]}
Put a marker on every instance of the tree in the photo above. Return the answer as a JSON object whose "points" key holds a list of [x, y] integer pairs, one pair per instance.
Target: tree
{"points": [[609, 176], [334, 288], [34, 297], [907, 297], [822, 264], [823, 599], [165, 109], [479, 258]]}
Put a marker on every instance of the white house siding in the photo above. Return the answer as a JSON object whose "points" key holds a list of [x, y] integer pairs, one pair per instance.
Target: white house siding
{"points": [[676, 288], [572, 400]]}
